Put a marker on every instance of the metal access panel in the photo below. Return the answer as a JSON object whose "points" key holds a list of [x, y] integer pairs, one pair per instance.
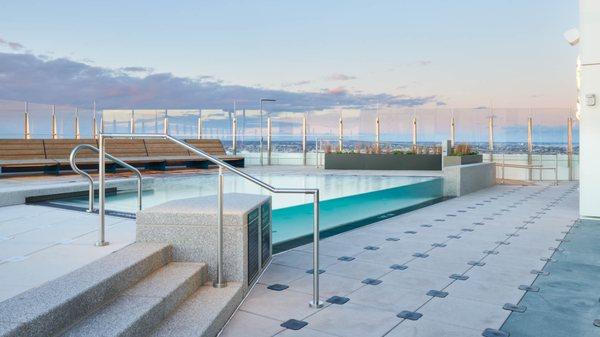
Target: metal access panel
{"points": [[259, 240], [266, 233], [253, 250]]}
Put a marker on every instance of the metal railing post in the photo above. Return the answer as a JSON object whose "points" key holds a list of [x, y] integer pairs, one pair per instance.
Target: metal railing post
{"points": [[452, 131], [132, 122], [556, 170], [26, 127], [220, 282], [530, 147], [491, 137], [316, 303], [77, 131], [414, 133], [304, 140], [94, 125], [101, 189], [503, 162], [570, 147], [377, 135], [269, 140], [341, 134], [199, 128], [54, 128], [234, 135]]}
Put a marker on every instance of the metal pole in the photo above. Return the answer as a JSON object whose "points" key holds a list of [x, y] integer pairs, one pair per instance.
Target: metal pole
{"points": [[101, 187], [530, 146], [199, 131], [261, 133], [27, 130], [414, 133], [377, 138], [556, 170], [503, 162], [220, 282], [132, 122], [269, 144], [166, 123], [304, 140], [94, 126], [570, 147], [54, 127], [491, 137], [452, 131], [341, 134], [234, 135], [77, 132], [315, 303]]}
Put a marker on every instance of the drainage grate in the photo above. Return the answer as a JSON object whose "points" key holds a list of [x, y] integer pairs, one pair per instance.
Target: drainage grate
{"points": [[467, 229], [277, 287], [511, 235], [547, 259], [426, 225], [491, 252], [310, 271], [478, 223], [534, 289], [476, 263], [453, 236], [438, 245], [338, 300], [392, 239], [410, 232], [294, 324], [398, 267], [502, 243], [597, 323], [440, 220], [514, 307], [421, 255], [371, 281], [459, 277], [539, 272], [411, 315], [346, 258], [371, 248], [494, 333], [437, 293]]}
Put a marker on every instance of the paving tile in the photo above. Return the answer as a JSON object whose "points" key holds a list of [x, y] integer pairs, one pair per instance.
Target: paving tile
{"points": [[426, 327], [247, 324], [465, 313], [279, 305]]}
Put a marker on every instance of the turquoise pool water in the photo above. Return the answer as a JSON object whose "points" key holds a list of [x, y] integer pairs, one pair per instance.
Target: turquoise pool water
{"points": [[346, 200]]}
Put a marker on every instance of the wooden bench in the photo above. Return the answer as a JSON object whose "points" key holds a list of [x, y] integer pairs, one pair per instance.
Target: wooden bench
{"points": [[25, 155], [215, 147], [173, 154]]}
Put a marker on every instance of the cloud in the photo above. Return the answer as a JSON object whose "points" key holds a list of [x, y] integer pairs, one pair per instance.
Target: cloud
{"points": [[137, 69], [295, 84], [424, 63], [11, 45], [340, 77], [63, 81]]}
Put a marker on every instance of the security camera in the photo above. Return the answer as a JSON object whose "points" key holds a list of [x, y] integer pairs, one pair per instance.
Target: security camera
{"points": [[572, 36]]}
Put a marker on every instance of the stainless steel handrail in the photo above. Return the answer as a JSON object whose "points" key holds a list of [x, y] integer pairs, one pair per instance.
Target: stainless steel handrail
{"points": [[220, 282], [528, 166], [72, 161]]}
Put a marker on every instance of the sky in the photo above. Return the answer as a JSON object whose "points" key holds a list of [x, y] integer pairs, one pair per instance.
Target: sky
{"points": [[308, 54]]}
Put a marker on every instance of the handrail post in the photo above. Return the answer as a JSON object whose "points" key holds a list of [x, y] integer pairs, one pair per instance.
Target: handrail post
{"points": [[101, 186], [556, 170], [269, 140], [503, 162], [304, 140], [316, 303], [220, 282]]}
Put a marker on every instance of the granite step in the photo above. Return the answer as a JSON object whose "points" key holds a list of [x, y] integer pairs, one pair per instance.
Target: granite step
{"points": [[141, 308], [204, 313], [50, 308]]}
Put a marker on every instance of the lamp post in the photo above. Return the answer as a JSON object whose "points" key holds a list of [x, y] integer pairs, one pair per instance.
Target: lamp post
{"points": [[261, 126]]}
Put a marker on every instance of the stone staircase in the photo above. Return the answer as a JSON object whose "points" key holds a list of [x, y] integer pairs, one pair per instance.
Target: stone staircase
{"points": [[136, 291]]}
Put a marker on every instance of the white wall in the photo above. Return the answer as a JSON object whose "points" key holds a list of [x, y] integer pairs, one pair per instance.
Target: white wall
{"points": [[589, 136]]}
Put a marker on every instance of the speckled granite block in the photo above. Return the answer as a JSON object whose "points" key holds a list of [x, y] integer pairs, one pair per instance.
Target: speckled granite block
{"points": [[190, 226]]}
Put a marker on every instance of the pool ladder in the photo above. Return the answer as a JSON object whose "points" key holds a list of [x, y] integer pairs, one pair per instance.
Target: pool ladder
{"points": [[73, 162], [219, 282]]}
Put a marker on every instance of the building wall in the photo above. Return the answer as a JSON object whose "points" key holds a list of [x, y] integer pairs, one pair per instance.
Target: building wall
{"points": [[589, 136]]}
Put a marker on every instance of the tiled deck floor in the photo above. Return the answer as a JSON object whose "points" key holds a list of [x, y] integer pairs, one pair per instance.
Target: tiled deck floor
{"points": [[519, 223]]}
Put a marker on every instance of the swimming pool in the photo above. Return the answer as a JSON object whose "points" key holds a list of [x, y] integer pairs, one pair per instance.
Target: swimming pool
{"points": [[347, 201]]}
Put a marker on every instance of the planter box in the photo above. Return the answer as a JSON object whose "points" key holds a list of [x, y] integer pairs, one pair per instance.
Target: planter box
{"points": [[363, 161], [463, 160]]}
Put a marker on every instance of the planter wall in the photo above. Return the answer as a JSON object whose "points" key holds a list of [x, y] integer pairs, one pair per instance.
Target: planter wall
{"points": [[463, 160], [363, 161]]}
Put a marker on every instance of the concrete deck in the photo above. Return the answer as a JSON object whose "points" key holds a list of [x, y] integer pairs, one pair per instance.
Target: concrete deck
{"points": [[493, 240]]}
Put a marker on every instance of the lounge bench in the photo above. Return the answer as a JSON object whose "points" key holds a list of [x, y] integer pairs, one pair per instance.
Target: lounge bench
{"points": [[173, 154], [215, 147], [25, 155]]}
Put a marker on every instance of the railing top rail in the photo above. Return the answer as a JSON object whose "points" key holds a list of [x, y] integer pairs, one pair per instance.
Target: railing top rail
{"points": [[79, 147], [212, 159]]}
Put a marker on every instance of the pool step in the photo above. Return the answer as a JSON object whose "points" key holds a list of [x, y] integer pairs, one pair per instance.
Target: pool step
{"points": [[57, 304], [141, 308], [204, 313]]}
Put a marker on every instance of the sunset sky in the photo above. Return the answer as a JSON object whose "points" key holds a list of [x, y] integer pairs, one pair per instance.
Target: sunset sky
{"points": [[311, 54]]}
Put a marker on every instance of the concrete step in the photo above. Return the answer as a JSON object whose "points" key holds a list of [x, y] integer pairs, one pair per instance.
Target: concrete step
{"points": [[203, 314], [55, 305], [142, 307]]}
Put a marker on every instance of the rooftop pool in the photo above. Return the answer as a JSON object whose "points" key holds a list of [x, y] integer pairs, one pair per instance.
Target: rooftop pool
{"points": [[347, 201]]}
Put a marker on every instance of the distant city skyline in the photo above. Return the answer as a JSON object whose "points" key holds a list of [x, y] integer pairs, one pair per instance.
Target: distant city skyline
{"points": [[309, 55]]}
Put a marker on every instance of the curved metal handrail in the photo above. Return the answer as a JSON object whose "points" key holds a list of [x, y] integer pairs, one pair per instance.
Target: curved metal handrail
{"points": [[72, 161], [220, 282]]}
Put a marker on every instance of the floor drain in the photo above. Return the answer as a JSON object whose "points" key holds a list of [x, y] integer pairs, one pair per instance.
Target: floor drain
{"points": [[421, 255], [346, 258], [410, 232], [467, 229], [411, 315], [547, 259], [539, 272], [502, 243], [491, 252], [437, 293], [450, 214], [520, 227], [597, 322], [440, 220], [494, 333], [426, 225], [338, 300], [453, 236], [392, 239], [459, 277], [478, 223], [371, 248], [476, 263], [514, 307], [534, 289], [438, 245], [310, 271], [277, 287], [371, 281], [398, 267], [294, 324], [512, 235]]}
